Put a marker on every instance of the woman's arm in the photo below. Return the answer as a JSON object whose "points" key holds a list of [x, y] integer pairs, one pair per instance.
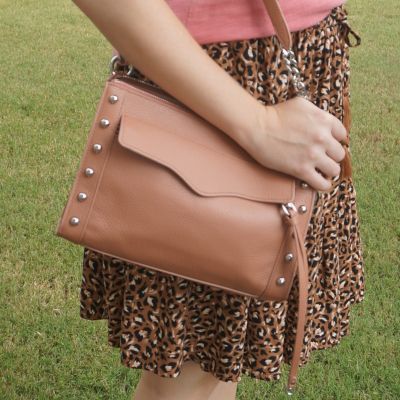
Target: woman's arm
{"points": [[294, 137]]}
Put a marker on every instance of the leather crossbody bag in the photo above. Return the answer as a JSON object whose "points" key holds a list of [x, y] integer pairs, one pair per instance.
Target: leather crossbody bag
{"points": [[160, 187]]}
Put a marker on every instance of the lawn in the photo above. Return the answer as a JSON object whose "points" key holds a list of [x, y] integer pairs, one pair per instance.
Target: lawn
{"points": [[53, 64]]}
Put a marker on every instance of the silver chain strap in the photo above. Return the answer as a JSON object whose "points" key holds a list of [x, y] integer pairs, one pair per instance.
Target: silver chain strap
{"points": [[294, 74], [288, 56]]}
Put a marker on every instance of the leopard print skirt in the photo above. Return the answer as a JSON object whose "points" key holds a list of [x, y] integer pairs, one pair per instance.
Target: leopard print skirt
{"points": [[160, 321]]}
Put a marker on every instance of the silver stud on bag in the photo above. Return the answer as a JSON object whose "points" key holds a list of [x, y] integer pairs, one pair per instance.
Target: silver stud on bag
{"points": [[280, 281], [302, 209], [82, 196], [113, 99], [304, 185], [97, 148], [74, 221], [289, 257], [104, 123], [89, 172]]}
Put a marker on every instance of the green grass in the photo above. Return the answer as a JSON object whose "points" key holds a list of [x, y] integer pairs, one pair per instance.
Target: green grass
{"points": [[53, 64]]}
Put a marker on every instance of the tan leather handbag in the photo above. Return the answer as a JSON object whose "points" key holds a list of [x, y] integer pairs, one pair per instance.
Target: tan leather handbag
{"points": [[161, 187]]}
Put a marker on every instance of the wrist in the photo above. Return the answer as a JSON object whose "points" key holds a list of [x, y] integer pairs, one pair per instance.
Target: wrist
{"points": [[254, 128]]}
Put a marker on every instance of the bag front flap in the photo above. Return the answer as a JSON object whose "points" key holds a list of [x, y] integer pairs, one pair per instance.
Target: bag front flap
{"points": [[206, 171]]}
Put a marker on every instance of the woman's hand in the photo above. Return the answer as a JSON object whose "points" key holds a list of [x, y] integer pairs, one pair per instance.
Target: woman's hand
{"points": [[299, 139]]}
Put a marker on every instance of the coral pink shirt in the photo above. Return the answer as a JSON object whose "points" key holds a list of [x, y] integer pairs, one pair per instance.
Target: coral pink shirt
{"points": [[211, 21]]}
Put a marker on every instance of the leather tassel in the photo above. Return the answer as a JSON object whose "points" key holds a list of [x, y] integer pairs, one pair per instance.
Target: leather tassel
{"points": [[345, 164], [302, 275]]}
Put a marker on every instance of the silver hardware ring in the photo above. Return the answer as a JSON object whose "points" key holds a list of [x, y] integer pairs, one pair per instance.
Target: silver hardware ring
{"points": [[290, 391], [290, 206], [114, 60]]}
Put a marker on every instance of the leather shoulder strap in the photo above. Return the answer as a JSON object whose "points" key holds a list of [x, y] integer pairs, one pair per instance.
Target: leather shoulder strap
{"points": [[279, 23]]}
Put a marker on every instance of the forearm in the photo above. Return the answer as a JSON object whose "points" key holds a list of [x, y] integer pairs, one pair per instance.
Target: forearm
{"points": [[294, 137], [151, 37]]}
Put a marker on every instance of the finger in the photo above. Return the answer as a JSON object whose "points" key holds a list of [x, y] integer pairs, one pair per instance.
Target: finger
{"points": [[328, 167], [318, 181], [335, 150], [338, 129]]}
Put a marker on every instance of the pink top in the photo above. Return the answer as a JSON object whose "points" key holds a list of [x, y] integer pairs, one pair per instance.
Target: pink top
{"points": [[211, 21]]}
